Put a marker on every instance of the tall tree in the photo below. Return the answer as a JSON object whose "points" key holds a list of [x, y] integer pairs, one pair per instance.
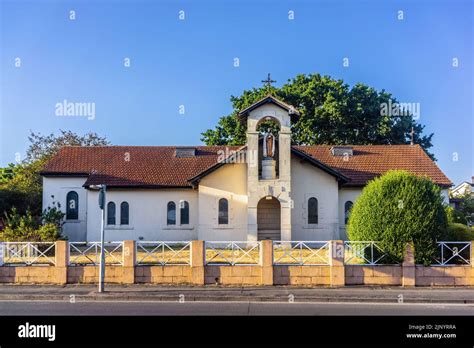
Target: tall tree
{"points": [[21, 184], [331, 113], [43, 147]]}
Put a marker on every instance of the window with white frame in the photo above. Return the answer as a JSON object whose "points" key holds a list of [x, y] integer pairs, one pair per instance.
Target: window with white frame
{"points": [[347, 211], [72, 205], [184, 213], [223, 218], [171, 213], [124, 213], [111, 213], [312, 211]]}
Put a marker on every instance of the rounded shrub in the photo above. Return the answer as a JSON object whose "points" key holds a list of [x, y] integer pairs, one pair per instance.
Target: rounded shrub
{"points": [[459, 233], [399, 208]]}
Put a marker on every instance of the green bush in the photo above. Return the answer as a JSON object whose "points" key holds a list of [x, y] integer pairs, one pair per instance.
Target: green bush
{"points": [[23, 201], [28, 228], [49, 232], [53, 215], [399, 208], [19, 228], [455, 216], [45, 233], [459, 233]]}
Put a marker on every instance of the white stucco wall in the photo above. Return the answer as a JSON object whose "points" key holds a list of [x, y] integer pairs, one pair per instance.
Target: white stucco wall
{"points": [[230, 182], [147, 215], [148, 208], [445, 194], [309, 181], [461, 189], [55, 189]]}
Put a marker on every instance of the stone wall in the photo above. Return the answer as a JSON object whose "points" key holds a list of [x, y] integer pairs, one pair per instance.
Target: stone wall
{"points": [[444, 276], [373, 275], [265, 273], [233, 275], [175, 274], [301, 275], [90, 274], [29, 275]]}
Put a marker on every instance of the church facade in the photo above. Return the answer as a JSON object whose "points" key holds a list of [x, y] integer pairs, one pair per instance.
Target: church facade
{"points": [[267, 189]]}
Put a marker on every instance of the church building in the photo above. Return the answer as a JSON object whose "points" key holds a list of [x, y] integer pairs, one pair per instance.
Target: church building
{"points": [[267, 189]]}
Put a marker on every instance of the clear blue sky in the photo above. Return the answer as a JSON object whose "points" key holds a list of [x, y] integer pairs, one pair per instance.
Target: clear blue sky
{"points": [[190, 62]]}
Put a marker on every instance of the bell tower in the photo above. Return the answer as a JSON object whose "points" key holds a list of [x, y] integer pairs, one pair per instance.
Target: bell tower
{"points": [[269, 169]]}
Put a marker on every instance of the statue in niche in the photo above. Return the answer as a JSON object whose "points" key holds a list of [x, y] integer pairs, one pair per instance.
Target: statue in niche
{"points": [[268, 144]]}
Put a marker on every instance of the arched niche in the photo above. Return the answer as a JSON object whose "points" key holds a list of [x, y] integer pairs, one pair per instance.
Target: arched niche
{"points": [[264, 125]]}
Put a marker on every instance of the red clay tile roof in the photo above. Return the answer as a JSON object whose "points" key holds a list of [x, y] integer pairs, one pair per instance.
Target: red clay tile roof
{"points": [[370, 161], [148, 166], [157, 166]]}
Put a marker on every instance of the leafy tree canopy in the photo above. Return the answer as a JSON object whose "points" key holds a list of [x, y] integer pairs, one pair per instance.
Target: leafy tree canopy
{"points": [[43, 147], [465, 212], [21, 184], [331, 113]]}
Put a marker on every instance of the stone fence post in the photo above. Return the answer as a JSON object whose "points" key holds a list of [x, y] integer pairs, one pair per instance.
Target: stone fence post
{"points": [[61, 260], [472, 257], [197, 262], [408, 267], [336, 263], [129, 256], [266, 262]]}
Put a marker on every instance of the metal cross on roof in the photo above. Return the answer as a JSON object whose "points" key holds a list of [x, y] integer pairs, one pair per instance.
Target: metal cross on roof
{"points": [[268, 82]]}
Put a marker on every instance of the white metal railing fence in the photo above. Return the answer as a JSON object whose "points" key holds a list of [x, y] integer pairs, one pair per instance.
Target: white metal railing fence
{"points": [[453, 253], [365, 253], [27, 253], [88, 253], [301, 252], [221, 253], [163, 253], [232, 253]]}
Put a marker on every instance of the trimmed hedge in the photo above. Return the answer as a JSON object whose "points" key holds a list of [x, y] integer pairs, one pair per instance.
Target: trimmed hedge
{"points": [[398, 208], [459, 233]]}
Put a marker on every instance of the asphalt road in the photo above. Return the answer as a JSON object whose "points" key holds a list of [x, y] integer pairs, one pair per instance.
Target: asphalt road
{"points": [[226, 308]]}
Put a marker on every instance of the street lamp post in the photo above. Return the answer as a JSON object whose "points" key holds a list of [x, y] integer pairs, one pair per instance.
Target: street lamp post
{"points": [[102, 199]]}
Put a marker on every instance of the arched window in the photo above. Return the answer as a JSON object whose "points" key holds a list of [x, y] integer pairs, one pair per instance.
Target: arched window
{"points": [[347, 211], [223, 211], [72, 205], [124, 213], [171, 214], [111, 213], [184, 213], [312, 211]]}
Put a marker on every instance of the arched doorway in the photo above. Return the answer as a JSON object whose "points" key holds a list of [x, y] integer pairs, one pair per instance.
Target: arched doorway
{"points": [[268, 219]]}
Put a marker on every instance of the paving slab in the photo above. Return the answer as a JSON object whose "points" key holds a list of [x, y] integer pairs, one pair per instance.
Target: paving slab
{"points": [[248, 294]]}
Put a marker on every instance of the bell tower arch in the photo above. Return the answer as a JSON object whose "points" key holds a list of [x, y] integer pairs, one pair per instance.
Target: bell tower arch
{"points": [[264, 183]]}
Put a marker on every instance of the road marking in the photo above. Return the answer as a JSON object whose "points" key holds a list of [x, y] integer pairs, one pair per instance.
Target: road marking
{"points": [[254, 302]]}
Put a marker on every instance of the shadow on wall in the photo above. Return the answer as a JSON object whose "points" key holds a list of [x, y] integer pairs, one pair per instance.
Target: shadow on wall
{"points": [[233, 275], [301, 275], [373, 275], [443, 275]]}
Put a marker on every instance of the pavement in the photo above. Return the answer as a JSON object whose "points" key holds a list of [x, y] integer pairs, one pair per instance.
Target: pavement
{"points": [[228, 308], [159, 293]]}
